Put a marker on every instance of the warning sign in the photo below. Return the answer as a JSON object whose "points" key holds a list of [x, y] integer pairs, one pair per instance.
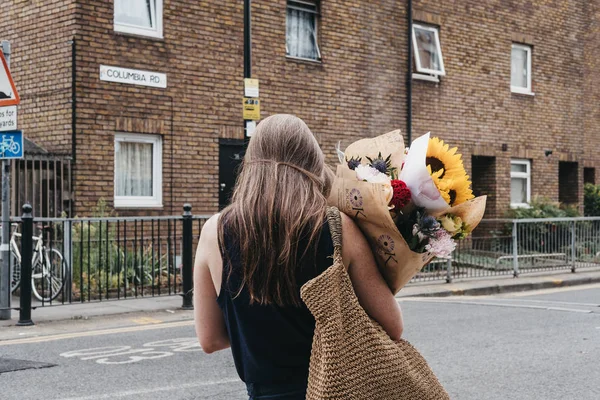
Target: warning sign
{"points": [[8, 91], [251, 108]]}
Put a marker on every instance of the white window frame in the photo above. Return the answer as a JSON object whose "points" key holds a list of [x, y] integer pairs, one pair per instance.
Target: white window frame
{"points": [[517, 89], [316, 13], [421, 69], [154, 201], [521, 175], [156, 15]]}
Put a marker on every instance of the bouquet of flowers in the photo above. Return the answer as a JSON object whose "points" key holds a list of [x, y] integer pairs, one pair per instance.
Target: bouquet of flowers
{"points": [[411, 204]]}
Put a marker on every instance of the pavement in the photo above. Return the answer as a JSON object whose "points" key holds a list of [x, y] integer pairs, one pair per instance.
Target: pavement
{"points": [[172, 304]]}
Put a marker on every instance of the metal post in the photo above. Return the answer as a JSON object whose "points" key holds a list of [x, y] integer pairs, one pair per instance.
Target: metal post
{"points": [[5, 295], [26, 255], [515, 244], [573, 254], [247, 50], [449, 270], [186, 273]]}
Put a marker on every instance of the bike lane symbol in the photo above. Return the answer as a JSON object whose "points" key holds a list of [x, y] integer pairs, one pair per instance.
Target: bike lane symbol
{"points": [[11, 145]]}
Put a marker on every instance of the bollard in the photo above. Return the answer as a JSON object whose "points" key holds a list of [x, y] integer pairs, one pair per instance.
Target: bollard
{"points": [[186, 258], [26, 255]]}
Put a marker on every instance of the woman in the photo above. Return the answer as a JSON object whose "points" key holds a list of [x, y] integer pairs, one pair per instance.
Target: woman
{"points": [[253, 258]]}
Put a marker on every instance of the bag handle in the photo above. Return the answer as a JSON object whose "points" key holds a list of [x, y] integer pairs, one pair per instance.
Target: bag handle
{"points": [[335, 227]]}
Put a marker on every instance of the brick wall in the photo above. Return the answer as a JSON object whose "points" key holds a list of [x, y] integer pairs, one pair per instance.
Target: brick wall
{"points": [[358, 89], [40, 34], [202, 55], [473, 107]]}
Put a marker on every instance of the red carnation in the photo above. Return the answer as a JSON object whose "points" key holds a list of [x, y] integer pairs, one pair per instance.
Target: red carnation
{"points": [[401, 196]]}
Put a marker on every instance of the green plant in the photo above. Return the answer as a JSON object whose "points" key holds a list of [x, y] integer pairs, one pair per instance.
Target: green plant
{"points": [[543, 207], [591, 200], [105, 260]]}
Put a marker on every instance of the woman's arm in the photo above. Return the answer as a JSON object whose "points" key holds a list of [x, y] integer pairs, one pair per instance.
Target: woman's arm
{"points": [[209, 322], [373, 293]]}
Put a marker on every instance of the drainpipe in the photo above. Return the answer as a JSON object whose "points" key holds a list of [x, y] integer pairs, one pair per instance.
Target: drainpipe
{"points": [[73, 99], [409, 76]]}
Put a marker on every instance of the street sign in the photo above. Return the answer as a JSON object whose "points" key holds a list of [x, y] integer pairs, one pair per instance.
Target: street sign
{"points": [[251, 108], [8, 118], [250, 128], [8, 91], [133, 76], [11, 145], [250, 87]]}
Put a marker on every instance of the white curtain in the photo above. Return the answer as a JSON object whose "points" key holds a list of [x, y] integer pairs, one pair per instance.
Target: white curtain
{"points": [[135, 12], [518, 68], [301, 34], [133, 169]]}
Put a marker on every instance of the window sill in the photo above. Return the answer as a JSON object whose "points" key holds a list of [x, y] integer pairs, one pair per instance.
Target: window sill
{"points": [[132, 207], [123, 31], [523, 93], [304, 60], [520, 205], [428, 78], [121, 202]]}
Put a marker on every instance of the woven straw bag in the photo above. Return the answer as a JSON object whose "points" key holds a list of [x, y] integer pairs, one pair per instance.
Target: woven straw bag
{"points": [[352, 356]]}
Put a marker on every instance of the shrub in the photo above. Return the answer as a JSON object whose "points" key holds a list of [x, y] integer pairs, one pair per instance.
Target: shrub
{"points": [[591, 200], [542, 207]]}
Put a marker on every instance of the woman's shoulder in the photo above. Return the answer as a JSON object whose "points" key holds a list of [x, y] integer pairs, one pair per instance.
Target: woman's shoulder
{"points": [[209, 236]]}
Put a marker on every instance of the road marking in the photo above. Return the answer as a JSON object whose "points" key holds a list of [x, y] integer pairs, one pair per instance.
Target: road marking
{"points": [[146, 321], [49, 338], [494, 304], [157, 390]]}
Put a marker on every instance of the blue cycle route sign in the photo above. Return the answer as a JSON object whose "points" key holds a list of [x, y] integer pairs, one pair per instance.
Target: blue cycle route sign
{"points": [[11, 145]]}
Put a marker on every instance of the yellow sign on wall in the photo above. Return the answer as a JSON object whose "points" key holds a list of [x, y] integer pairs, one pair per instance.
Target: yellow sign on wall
{"points": [[251, 108]]}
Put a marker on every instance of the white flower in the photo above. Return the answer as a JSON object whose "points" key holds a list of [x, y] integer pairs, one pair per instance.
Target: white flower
{"points": [[423, 191], [371, 175], [442, 245]]}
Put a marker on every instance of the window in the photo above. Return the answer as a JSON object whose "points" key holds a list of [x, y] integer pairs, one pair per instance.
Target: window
{"points": [[568, 182], [139, 17], [301, 30], [428, 52], [520, 69], [138, 170], [589, 175], [520, 183]]}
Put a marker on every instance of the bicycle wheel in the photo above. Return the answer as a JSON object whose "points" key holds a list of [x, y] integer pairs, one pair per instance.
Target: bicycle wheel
{"points": [[48, 281], [15, 275]]}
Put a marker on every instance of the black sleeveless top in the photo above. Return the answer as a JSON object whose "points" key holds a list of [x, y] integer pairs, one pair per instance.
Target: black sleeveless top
{"points": [[270, 344]]}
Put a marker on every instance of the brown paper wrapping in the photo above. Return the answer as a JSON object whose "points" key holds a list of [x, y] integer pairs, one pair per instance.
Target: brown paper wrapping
{"points": [[366, 203]]}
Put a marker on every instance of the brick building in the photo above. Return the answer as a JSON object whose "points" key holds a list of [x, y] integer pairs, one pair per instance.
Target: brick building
{"points": [[514, 84]]}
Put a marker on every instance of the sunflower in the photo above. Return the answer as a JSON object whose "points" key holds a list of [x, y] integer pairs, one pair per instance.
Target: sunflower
{"points": [[448, 173], [442, 185], [441, 157], [460, 190]]}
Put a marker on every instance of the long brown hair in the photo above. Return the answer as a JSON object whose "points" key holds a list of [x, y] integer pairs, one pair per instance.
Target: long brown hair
{"points": [[279, 199]]}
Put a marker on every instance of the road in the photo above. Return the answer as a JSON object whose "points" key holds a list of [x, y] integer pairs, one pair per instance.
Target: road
{"points": [[532, 345]]}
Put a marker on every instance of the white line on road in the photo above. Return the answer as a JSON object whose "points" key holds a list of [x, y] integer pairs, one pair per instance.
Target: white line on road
{"points": [[492, 304], [138, 328], [154, 390]]}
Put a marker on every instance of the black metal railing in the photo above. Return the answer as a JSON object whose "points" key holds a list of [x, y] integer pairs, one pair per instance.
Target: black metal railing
{"points": [[76, 260]]}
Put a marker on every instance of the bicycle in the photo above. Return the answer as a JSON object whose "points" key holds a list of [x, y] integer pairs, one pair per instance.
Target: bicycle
{"points": [[9, 144], [49, 268]]}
